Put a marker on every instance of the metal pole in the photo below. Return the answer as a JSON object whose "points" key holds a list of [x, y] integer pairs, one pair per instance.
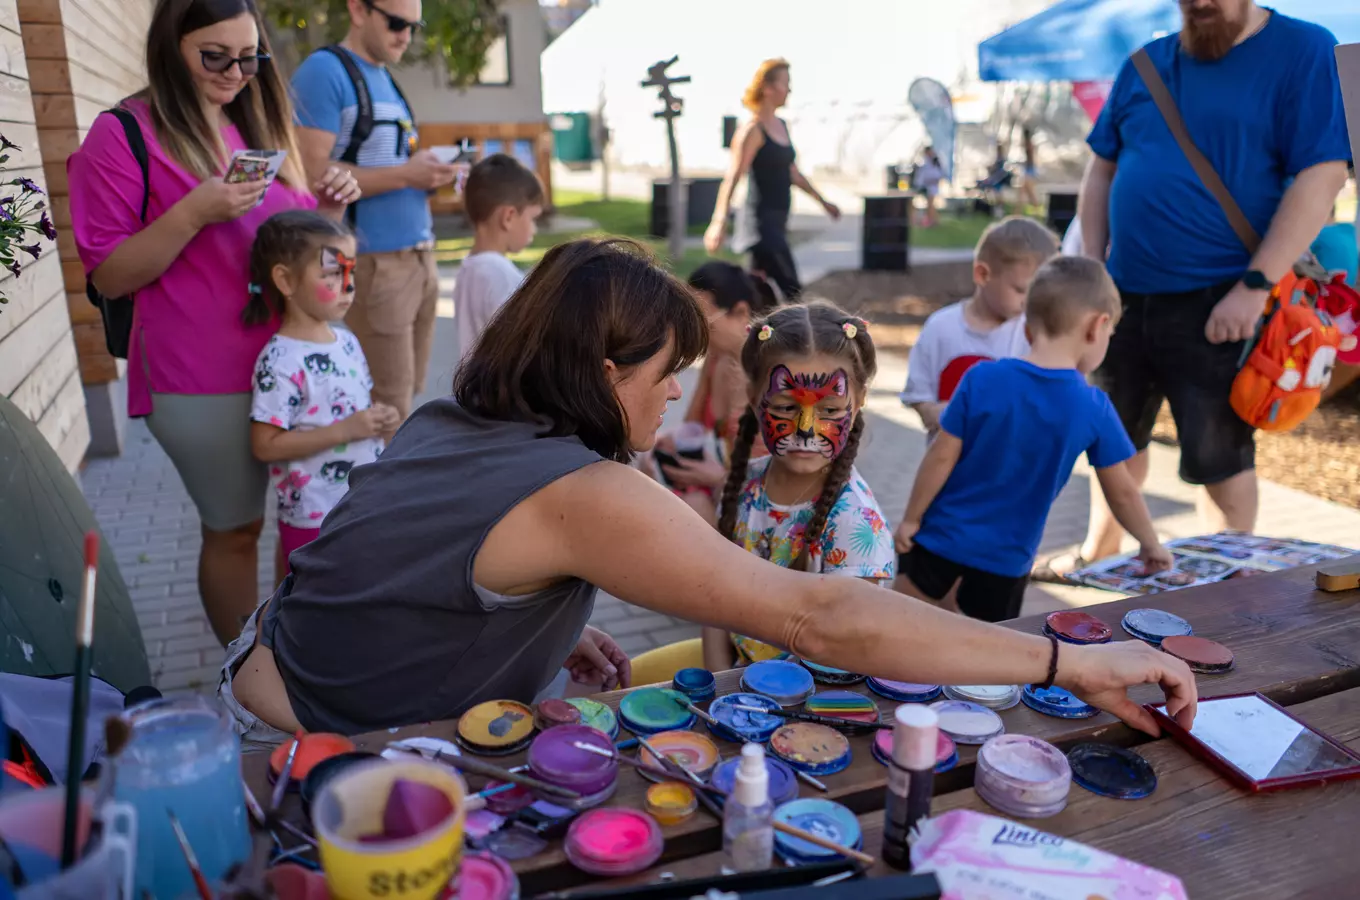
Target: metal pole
{"points": [[679, 225]]}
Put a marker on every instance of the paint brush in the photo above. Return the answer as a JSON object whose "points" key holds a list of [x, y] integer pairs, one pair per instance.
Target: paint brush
{"points": [[803, 776], [80, 701], [829, 721], [285, 775], [641, 766], [200, 882], [487, 770], [687, 704]]}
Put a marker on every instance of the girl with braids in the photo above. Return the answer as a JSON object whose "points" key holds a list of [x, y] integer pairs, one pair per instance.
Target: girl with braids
{"points": [[311, 417], [804, 506]]}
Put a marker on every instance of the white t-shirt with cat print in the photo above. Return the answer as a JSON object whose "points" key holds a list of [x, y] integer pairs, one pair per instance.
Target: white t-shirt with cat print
{"points": [[305, 385]]}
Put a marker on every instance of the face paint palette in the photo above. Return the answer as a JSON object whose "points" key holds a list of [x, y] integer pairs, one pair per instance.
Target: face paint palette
{"points": [[992, 696], [1056, 702], [496, 728], [1200, 654], [829, 675], [1152, 625], [597, 716], [1112, 771], [613, 841], [485, 876], [783, 782], [555, 758], [553, 712], [904, 691], [739, 725], [1023, 776], [651, 710], [814, 749], [946, 751], [696, 684], [692, 750], [968, 723], [783, 681], [824, 818], [843, 705], [1076, 627]]}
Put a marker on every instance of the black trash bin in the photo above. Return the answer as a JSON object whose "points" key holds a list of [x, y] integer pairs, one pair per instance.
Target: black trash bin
{"points": [[887, 233], [1062, 209], [701, 198]]}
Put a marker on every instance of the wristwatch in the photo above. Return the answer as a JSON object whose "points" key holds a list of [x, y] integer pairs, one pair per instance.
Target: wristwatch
{"points": [[1257, 281]]}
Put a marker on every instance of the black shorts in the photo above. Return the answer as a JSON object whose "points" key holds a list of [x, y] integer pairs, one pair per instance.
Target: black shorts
{"points": [[1158, 352], [982, 595]]}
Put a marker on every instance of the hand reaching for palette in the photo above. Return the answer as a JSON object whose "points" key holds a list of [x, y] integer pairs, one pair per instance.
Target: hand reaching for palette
{"points": [[598, 660], [1101, 673]]}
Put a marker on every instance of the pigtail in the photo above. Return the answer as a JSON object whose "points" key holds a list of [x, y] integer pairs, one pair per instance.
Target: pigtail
{"points": [[836, 479], [736, 475], [284, 238], [263, 303]]}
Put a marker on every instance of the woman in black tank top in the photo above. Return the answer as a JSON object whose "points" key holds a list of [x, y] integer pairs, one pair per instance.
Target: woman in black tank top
{"points": [[763, 148]]}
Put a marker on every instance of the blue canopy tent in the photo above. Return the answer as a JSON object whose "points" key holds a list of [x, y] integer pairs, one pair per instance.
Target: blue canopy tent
{"points": [[1088, 40]]}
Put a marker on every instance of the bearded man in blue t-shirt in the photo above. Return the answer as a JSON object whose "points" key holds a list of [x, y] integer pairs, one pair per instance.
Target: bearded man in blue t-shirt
{"points": [[1260, 97]]}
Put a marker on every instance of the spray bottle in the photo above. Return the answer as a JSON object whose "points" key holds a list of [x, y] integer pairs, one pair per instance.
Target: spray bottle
{"points": [[748, 815]]}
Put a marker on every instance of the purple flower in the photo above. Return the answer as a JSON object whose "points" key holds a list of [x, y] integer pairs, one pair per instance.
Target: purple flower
{"points": [[6, 214], [48, 229], [34, 250], [6, 144], [14, 267], [28, 184]]}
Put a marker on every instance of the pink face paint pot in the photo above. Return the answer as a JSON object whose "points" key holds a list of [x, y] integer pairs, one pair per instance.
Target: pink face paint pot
{"points": [[1023, 776], [613, 841], [485, 876], [1076, 627], [552, 713], [946, 751], [814, 749], [555, 758]]}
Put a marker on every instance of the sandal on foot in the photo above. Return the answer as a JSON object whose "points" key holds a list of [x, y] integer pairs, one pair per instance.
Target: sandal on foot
{"points": [[1044, 572]]}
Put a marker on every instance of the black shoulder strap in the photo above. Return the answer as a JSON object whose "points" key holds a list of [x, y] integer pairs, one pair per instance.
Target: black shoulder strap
{"points": [[137, 143], [410, 113], [363, 120]]}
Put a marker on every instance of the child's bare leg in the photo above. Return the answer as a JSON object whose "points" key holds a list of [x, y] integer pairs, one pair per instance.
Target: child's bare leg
{"points": [[718, 653]]}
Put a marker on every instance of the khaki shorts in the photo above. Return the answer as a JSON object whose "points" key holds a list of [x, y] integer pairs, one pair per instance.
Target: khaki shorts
{"points": [[255, 735], [393, 316], [207, 437]]}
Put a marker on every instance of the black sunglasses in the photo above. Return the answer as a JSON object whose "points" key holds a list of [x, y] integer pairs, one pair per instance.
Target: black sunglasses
{"points": [[394, 23], [218, 62]]}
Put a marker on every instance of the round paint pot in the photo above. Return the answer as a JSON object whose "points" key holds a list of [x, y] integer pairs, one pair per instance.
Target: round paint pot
{"points": [[671, 803], [509, 801], [824, 818], [553, 712], [613, 841], [992, 696], [597, 716], [651, 710], [324, 771], [313, 749], [692, 750], [903, 691], [696, 684], [1076, 627], [1153, 625], [741, 726], [513, 844], [814, 749], [485, 876], [1200, 654], [968, 723], [783, 782], [555, 758], [1056, 702], [830, 675], [946, 751], [1112, 771], [843, 705], [496, 728], [1023, 776], [782, 680]]}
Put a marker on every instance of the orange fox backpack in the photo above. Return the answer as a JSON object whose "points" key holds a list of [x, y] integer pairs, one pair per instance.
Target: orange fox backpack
{"points": [[1290, 362]]}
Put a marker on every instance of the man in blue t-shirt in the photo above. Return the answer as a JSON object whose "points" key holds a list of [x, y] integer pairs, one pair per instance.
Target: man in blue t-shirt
{"points": [[1260, 97], [396, 284]]}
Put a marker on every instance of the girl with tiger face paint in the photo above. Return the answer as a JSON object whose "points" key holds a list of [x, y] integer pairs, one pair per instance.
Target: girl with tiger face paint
{"points": [[804, 506]]}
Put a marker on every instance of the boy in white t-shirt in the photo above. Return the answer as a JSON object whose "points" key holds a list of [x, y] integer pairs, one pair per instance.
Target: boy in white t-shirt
{"points": [[503, 200], [988, 325]]}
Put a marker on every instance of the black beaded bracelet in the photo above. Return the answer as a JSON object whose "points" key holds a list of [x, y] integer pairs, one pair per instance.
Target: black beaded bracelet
{"points": [[1052, 664]]}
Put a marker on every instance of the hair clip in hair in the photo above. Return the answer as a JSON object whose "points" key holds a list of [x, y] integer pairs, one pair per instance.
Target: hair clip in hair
{"points": [[255, 289], [766, 332], [748, 329], [850, 330]]}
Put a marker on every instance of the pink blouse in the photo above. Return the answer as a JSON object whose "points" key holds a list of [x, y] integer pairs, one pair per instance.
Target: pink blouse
{"points": [[187, 334]]}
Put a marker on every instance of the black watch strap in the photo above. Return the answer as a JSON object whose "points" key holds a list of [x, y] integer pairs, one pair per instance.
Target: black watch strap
{"points": [[1257, 280]]}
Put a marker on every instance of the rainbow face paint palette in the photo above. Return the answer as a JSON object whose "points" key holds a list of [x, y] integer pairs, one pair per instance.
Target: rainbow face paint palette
{"points": [[823, 818], [968, 723], [904, 691], [830, 675], [783, 681], [696, 684], [814, 749], [946, 752], [1076, 627], [691, 750], [1023, 776], [843, 705], [555, 758], [484, 876], [1056, 702], [783, 782], [612, 842], [651, 710], [1200, 654], [597, 716], [1152, 625], [992, 696], [496, 728], [741, 726], [1112, 771]]}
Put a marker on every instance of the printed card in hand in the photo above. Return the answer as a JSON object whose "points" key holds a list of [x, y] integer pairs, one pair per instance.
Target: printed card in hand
{"points": [[255, 166]]}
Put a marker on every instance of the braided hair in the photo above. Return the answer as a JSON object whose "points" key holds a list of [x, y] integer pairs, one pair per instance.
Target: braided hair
{"points": [[802, 330], [291, 239]]}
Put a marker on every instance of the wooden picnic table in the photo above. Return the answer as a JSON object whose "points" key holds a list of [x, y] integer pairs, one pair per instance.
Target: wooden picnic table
{"points": [[1295, 644]]}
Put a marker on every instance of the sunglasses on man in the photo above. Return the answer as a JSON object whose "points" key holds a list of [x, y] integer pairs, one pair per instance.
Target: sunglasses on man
{"points": [[395, 24], [217, 62]]}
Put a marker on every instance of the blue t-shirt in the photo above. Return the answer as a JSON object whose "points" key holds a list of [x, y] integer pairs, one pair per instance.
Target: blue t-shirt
{"points": [[1265, 112], [325, 99], [1022, 429]]}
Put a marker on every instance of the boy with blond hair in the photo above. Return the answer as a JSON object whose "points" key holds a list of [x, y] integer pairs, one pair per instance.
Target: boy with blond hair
{"points": [[1007, 443], [988, 325]]}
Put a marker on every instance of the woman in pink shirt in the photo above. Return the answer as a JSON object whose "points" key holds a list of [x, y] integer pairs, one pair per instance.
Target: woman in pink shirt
{"points": [[212, 91]]}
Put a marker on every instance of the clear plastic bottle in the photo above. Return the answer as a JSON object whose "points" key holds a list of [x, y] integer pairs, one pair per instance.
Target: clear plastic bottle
{"points": [[748, 816]]}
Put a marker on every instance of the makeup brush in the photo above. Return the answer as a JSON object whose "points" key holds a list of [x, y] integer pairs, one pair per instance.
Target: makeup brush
{"points": [[200, 882], [285, 775], [687, 704], [80, 700], [641, 766], [487, 770], [829, 721]]}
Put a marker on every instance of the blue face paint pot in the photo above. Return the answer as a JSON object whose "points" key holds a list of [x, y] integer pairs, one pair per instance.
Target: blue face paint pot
{"points": [[739, 725], [1152, 625], [823, 818], [829, 675], [783, 783], [1112, 771], [787, 683], [1056, 702], [647, 711], [696, 684], [904, 691]]}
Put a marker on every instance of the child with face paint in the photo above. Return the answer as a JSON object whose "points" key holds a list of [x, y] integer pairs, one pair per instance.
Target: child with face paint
{"points": [[804, 506], [312, 417]]}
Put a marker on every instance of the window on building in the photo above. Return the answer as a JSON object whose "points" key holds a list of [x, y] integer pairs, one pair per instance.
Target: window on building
{"points": [[496, 70]]}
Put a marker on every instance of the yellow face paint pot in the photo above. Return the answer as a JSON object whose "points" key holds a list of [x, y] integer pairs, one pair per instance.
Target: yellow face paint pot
{"points": [[496, 728], [671, 803]]}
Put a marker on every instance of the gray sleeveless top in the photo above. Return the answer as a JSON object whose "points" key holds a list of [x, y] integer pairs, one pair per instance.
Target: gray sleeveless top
{"points": [[380, 623]]}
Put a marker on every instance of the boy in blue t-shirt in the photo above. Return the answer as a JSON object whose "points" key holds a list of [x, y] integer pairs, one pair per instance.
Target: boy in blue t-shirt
{"points": [[1008, 440]]}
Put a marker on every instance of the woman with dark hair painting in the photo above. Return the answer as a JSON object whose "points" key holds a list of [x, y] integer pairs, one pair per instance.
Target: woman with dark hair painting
{"points": [[212, 90], [462, 566], [762, 147]]}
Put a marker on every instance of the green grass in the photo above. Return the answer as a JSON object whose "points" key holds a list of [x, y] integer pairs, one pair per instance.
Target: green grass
{"points": [[951, 231]]}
